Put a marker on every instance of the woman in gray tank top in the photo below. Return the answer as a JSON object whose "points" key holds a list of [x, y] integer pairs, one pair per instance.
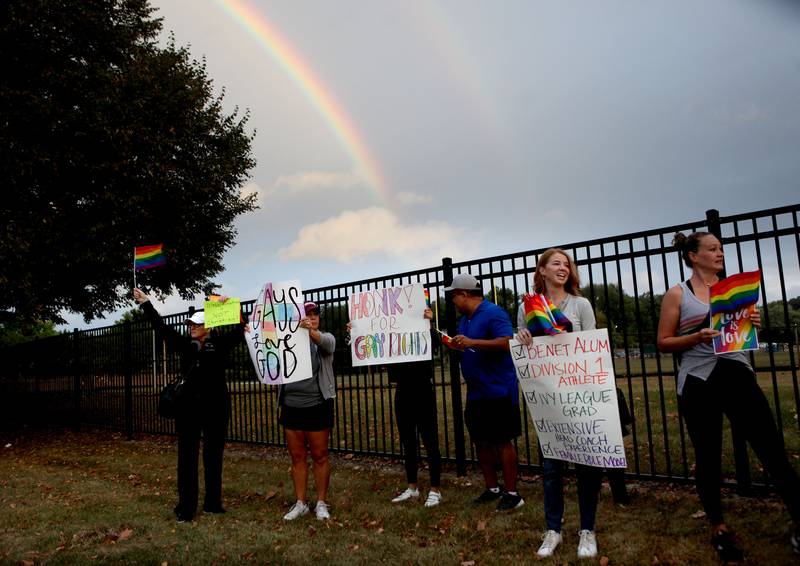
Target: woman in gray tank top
{"points": [[711, 385]]}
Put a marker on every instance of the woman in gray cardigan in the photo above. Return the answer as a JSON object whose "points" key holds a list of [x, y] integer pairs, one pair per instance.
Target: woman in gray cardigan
{"points": [[307, 417]]}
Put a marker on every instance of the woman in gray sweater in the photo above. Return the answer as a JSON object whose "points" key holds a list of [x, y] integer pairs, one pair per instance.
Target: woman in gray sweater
{"points": [[307, 417], [557, 278]]}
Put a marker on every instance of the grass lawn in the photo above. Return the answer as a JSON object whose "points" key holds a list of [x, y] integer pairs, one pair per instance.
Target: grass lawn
{"points": [[92, 497]]}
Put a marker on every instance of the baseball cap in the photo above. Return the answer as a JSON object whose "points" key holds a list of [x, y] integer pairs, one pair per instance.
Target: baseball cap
{"points": [[199, 317], [310, 306], [465, 281]]}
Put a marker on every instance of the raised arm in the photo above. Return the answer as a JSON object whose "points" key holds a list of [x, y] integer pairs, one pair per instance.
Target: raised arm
{"points": [[166, 331]]}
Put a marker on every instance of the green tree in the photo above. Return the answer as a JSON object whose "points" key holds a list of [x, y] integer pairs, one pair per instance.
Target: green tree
{"points": [[109, 141], [780, 328], [132, 315], [11, 332], [505, 298]]}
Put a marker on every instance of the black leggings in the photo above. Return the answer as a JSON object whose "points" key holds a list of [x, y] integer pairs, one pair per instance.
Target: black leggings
{"points": [[212, 423], [415, 411], [732, 389]]}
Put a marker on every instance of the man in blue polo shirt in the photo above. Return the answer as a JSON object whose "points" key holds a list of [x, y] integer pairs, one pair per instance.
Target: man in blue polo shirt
{"points": [[492, 410]]}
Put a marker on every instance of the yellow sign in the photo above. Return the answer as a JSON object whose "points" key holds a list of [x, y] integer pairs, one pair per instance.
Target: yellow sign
{"points": [[220, 314]]}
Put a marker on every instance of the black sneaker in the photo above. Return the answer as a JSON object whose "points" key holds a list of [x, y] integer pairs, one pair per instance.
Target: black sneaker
{"points": [[182, 515], [723, 543], [508, 502], [488, 496]]}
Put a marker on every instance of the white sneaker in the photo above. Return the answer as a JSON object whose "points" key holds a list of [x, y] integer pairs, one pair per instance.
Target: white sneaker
{"points": [[587, 546], [321, 510], [298, 510], [551, 541], [406, 495], [434, 498]]}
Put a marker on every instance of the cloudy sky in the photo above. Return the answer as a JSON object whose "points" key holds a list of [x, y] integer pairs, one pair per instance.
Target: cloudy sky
{"points": [[391, 134]]}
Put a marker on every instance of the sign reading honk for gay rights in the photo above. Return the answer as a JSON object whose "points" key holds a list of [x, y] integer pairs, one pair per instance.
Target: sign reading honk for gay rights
{"points": [[388, 326], [568, 384]]}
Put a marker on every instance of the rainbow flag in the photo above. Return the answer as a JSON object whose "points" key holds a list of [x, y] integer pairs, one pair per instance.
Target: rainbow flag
{"points": [[732, 301], [427, 297], [559, 317], [539, 316], [734, 293], [145, 257]]}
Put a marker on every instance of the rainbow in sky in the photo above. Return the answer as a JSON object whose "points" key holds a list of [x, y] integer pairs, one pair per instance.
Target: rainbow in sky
{"points": [[254, 21]]}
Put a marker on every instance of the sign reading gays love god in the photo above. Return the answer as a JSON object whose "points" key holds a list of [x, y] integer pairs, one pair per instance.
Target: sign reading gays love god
{"points": [[279, 348], [568, 383], [388, 326]]}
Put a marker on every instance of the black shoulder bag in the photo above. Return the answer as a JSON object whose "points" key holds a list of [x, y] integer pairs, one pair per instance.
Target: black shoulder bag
{"points": [[173, 396]]}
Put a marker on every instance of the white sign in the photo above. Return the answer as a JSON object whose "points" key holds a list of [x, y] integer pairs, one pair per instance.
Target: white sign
{"points": [[388, 326], [568, 384], [279, 348]]}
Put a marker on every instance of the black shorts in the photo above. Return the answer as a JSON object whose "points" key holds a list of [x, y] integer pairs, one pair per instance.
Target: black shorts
{"points": [[492, 421], [308, 419]]}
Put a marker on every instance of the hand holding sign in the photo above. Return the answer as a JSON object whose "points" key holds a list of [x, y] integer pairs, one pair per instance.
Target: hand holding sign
{"points": [[389, 325], [222, 311]]}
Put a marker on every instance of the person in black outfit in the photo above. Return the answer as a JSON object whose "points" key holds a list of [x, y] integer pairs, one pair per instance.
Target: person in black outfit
{"points": [[204, 408], [415, 413]]}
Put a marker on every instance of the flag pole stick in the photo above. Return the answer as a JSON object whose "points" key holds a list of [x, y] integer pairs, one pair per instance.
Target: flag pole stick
{"points": [[134, 267]]}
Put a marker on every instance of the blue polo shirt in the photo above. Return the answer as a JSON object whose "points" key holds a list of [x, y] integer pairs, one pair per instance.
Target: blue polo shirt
{"points": [[489, 375]]}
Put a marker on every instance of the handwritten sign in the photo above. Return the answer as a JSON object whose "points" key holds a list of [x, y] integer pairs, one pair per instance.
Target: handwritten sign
{"points": [[218, 313], [279, 348], [568, 383], [732, 301], [388, 326]]}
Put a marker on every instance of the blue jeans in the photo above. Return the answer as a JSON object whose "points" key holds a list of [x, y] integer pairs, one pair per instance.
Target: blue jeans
{"points": [[589, 480]]}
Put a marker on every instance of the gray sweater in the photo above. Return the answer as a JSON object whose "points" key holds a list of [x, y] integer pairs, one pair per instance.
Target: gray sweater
{"points": [[323, 374]]}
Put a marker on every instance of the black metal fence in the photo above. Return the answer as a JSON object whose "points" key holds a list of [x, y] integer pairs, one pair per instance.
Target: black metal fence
{"points": [[110, 377]]}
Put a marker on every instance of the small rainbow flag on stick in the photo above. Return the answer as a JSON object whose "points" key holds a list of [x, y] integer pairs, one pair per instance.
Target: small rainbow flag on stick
{"points": [[559, 317], [732, 300], [542, 317], [145, 257]]}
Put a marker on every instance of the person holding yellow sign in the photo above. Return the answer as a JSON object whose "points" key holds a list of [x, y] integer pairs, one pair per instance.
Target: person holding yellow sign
{"points": [[204, 405]]}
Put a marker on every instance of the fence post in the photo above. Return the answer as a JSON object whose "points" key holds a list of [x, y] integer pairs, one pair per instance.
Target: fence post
{"points": [[744, 481], [76, 378], [127, 360], [455, 375]]}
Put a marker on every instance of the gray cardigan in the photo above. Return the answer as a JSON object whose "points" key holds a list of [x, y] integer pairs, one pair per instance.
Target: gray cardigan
{"points": [[327, 381]]}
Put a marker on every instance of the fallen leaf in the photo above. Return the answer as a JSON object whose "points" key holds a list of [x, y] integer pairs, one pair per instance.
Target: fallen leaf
{"points": [[348, 456], [26, 563], [481, 526], [604, 561], [270, 495], [699, 515], [468, 563], [126, 534], [655, 561]]}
